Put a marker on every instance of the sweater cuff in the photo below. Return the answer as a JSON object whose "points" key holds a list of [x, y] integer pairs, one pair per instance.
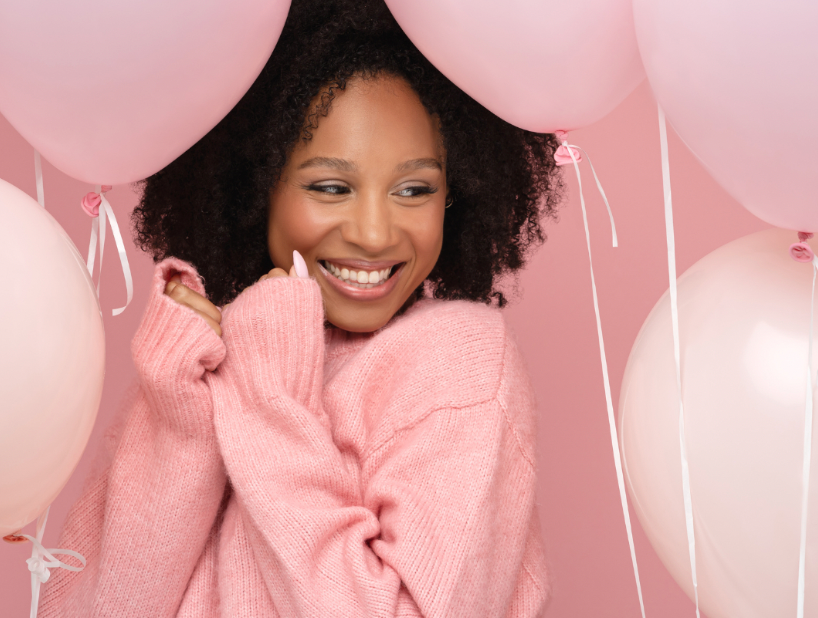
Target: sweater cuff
{"points": [[278, 324], [174, 346]]}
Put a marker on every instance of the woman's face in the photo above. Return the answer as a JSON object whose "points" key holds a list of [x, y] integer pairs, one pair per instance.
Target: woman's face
{"points": [[363, 202]]}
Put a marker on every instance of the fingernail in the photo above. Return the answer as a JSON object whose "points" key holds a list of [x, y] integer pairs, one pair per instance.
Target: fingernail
{"points": [[300, 266]]}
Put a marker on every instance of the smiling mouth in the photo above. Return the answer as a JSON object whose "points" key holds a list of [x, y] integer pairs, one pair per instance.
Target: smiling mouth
{"points": [[362, 279]]}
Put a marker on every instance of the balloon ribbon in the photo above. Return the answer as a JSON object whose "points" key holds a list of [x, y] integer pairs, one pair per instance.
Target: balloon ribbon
{"points": [[674, 315], [98, 207], [568, 150], [802, 551], [43, 559], [38, 174]]}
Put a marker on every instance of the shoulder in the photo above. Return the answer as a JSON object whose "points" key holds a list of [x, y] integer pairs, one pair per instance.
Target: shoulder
{"points": [[462, 353], [454, 355], [456, 343]]}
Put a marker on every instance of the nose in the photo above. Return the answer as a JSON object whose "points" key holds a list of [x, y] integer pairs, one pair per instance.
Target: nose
{"points": [[370, 225]]}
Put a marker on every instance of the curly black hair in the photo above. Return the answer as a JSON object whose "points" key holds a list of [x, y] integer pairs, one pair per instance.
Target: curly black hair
{"points": [[210, 206]]}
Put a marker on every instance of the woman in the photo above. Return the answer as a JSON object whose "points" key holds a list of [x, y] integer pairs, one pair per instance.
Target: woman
{"points": [[353, 433]]}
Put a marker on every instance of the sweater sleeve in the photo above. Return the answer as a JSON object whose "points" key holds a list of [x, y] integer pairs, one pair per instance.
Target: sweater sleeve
{"points": [[435, 524], [143, 522]]}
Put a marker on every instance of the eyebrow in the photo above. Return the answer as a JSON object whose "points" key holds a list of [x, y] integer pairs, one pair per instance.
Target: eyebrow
{"points": [[417, 164], [348, 166], [331, 162]]}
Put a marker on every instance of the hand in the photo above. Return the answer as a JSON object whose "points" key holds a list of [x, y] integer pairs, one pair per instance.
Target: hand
{"points": [[187, 297], [279, 272], [298, 269]]}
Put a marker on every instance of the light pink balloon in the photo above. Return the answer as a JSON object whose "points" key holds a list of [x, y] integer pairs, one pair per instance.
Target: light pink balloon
{"points": [[542, 66], [744, 329], [738, 82], [52, 358], [111, 92]]}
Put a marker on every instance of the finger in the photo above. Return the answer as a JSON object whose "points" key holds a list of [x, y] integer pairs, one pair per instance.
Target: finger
{"points": [[276, 272], [185, 296], [173, 282], [197, 302], [210, 322], [292, 271]]}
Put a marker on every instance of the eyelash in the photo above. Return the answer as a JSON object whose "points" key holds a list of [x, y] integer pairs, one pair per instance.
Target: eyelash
{"points": [[342, 190]]}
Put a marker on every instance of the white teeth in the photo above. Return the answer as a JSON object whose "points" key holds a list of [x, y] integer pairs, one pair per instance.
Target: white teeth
{"points": [[359, 278]]}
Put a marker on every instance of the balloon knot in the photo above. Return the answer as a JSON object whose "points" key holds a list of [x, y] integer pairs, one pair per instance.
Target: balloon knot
{"points": [[563, 154], [39, 568], [15, 538], [805, 236], [90, 204], [801, 252]]}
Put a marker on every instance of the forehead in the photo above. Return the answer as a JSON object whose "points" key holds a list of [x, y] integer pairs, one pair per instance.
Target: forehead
{"points": [[374, 118]]}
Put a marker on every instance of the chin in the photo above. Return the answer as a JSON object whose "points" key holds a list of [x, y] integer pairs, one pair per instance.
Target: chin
{"points": [[357, 326], [357, 321], [366, 318]]}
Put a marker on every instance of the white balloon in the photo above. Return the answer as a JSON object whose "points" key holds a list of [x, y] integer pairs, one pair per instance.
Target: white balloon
{"points": [[744, 331], [52, 358]]}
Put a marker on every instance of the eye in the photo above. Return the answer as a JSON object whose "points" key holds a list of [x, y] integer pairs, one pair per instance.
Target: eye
{"points": [[416, 191], [334, 189]]}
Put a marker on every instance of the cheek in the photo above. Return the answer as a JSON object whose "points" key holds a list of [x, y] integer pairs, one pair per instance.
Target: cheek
{"points": [[427, 238], [294, 224]]}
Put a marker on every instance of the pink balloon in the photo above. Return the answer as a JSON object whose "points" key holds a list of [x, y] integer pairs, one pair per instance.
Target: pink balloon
{"points": [[744, 315], [111, 92], [542, 66], [52, 358], [737, 81]]}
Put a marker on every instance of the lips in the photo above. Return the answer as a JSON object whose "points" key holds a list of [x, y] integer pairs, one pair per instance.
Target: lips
{"points": [[373, 280], [362, 277]]}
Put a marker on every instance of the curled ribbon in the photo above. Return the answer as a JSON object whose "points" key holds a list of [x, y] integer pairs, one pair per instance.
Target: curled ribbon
{"points": [[573, 153], [96, 205], [42, 560]]}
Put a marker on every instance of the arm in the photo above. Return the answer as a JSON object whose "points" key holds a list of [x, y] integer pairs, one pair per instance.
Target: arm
{"points": [[144, 522], [435, 523]]}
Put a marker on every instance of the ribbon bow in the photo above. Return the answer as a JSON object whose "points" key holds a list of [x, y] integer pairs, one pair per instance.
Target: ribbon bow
{"points": [[42, 560]]}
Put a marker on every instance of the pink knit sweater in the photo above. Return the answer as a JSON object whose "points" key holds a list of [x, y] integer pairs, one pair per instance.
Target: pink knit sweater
{"points": [[288, 470]]}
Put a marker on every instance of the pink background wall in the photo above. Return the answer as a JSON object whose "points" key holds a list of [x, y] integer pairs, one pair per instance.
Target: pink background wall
{"points": [[553, 316]]}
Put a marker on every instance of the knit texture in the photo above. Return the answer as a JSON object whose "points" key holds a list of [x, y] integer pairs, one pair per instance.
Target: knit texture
{"points": [[381, 474]]}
